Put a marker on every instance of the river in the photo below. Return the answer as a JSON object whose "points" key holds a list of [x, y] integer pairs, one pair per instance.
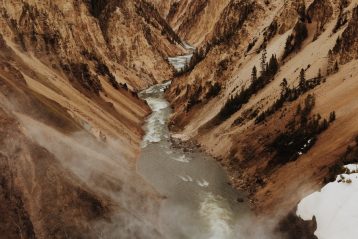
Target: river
{"points": [[199, 203]]}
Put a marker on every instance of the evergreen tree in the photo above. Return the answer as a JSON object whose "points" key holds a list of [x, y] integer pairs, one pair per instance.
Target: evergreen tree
{"points": [[330, 62], [302, 83], [332, 116], [336, 67], [302, 13], [288, 46], [319, 76], [324, 125], [284, 85], [273, 65], [299, 109], [254, 74]]}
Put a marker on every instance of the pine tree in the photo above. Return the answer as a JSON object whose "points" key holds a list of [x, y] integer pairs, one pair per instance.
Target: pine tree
{"points": [[324, 125], [330, 62], [284, 85], [299, 109], [288, 46], [302, 83], [336, 67], [273, 65], [254, 74], [302, 13], [332, 116], [319, 76]]}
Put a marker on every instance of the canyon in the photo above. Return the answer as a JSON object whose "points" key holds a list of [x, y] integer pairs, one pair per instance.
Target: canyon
{"points": [[119, 118]]}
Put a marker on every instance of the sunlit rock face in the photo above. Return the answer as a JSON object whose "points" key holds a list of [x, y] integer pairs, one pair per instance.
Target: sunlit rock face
{"points": [[316, 38], [70, 118]]}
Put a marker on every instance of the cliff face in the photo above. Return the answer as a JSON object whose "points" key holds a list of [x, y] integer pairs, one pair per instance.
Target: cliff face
{"points": [[164, 7], [70, 120], [195, 20], [128, 36], [346, 47], [244, 116]]}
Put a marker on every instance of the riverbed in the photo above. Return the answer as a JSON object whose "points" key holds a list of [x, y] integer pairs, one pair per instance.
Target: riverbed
{"points": [[199, 203]]}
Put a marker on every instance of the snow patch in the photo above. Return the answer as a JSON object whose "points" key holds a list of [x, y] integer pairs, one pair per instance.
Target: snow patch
{"points": [[335, 207]]}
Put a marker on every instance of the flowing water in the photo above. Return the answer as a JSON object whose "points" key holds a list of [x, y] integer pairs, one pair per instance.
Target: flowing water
{"points": [[199, 201]]}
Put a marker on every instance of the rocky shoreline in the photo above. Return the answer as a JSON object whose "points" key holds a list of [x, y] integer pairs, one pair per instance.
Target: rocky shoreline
{"points": [[290, 226]]}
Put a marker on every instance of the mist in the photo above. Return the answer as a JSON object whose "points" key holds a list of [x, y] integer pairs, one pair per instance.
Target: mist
{"points": [[102, 167]]}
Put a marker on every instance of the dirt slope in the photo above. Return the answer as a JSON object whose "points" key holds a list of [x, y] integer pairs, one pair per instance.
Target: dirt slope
{"points": [[70, 120], [246, 133]]}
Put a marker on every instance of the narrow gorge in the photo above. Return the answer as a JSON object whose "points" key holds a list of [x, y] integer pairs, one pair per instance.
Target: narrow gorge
{"points": [[179, 119]]}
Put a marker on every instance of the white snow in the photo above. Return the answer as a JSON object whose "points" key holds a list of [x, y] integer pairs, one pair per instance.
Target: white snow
{"points": [[335, 207]]}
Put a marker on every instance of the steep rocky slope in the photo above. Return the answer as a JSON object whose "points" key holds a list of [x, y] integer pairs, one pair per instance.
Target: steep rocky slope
{"points": [[164, 7], [278, 128], [70, 120], [192, 20]]}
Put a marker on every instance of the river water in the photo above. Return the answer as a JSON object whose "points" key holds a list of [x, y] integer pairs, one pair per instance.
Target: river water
{"points": [[199, 203]]}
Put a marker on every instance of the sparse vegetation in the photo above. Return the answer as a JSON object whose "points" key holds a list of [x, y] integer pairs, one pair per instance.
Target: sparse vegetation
{"points": [[97, 6], [343, 47], [333, 66], [237, 14], [341, 21], [332, 116], [295, 40], [214, 90], [251, 45], [268, 71], [301, 134], [80, 73], [222, 67], [103, 70], [194, 98], [290, 94]]}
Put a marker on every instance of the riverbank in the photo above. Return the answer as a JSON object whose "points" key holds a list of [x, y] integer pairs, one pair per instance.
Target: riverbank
{"points": [[199, 202]]}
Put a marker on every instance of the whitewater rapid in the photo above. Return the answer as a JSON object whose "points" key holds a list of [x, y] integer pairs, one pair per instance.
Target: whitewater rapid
{"points": [[199, 202]]}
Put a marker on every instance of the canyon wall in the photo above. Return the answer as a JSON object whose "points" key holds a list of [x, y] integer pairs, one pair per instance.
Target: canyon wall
{"points": [[70, 117], [271, 95]]}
